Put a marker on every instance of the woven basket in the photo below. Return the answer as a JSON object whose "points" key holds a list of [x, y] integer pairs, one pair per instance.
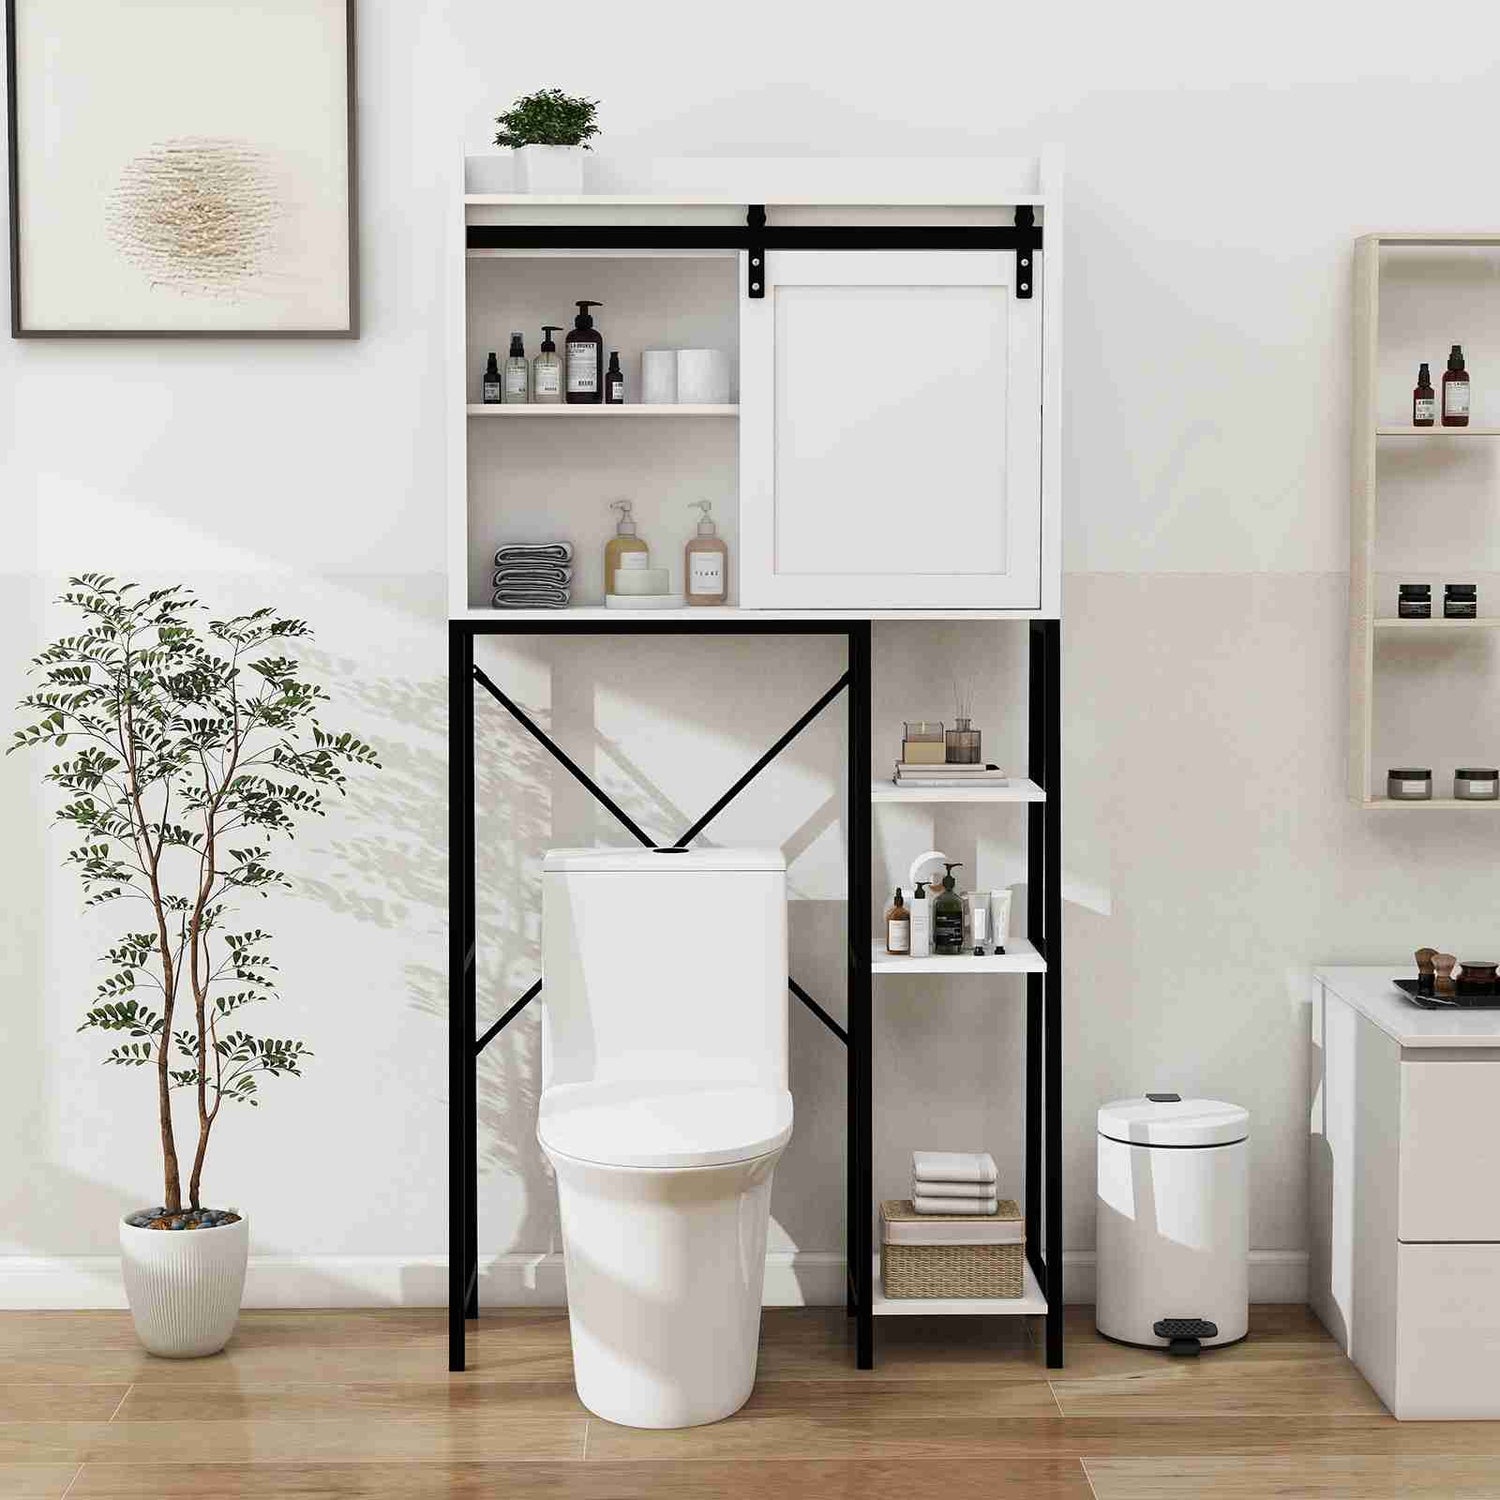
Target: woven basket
{"points": [[951, 1270]]}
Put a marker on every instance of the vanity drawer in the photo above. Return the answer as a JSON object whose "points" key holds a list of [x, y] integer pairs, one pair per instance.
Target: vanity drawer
{"points": [[1450, 1150], [1447, 1332]]}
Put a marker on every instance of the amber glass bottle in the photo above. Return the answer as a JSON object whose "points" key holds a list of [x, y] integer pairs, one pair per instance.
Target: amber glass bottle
{"points": [[1423, 400], [1456, 390]]}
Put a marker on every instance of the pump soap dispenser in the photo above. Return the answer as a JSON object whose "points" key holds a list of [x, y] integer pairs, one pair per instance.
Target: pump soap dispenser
{"points": [[546, 369], [585, 355], [624, 540], [948, 916], [706, 562]]}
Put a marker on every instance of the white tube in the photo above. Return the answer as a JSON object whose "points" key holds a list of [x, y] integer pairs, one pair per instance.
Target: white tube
{"points": [[1000, 918], [977, 910]]}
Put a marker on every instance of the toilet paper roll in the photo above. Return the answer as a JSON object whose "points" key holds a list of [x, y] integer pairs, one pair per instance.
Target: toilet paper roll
{"points": [[702, 377], [659, 377]]}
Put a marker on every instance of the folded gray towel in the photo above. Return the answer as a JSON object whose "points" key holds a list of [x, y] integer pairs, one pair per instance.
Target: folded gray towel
{"points": [[538, 572], [525, 552], [953, 1166], [921, 1187], [925, 1205], [531, 594]]}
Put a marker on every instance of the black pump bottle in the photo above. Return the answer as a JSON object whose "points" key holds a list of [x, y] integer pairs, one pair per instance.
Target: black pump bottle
{"points": [[584, 359]]}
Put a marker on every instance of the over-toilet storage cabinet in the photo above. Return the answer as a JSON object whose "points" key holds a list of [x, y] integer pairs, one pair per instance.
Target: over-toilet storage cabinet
{"points": [[826, 469]]}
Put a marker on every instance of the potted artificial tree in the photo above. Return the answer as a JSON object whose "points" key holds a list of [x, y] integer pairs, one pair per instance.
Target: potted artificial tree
{"points": [[190, 744], [549, 131]]}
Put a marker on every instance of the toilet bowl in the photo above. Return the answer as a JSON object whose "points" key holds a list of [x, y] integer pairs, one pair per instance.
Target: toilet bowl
{"points": [[664, 1110], [664, 1195]]}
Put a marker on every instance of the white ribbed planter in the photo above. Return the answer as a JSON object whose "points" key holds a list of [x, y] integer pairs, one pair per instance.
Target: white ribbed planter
{"points": [[184, 1286], [549, 169]]}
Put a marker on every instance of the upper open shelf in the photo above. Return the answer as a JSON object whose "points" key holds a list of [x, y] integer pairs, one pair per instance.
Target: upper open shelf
{"points": [[626, 409]]}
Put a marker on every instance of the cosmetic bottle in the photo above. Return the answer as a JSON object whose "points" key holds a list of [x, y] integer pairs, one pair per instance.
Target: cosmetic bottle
{"points": [[614, 381], [490, 386], [897, 926], [585, 358], [920, 936], [546, 369], [948, 916], [1456, 390], [517, 373], [624, 540], [706, 562], [1423, 400], [977, 915]]}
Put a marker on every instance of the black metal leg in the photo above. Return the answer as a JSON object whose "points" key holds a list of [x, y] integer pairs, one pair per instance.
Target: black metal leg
{"points": [[460, 981], [1053, 981], [859, 1235]]}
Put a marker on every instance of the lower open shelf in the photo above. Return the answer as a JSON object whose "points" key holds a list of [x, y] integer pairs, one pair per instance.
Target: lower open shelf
{"points": [[1020, 957], [1032, 1301]]}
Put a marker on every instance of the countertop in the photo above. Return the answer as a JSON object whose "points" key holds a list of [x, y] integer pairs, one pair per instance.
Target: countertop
{"points": [[1371, 992]]}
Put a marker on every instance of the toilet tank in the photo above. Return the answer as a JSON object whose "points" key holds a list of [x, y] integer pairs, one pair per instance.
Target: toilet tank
{"points": [[664, 964]]}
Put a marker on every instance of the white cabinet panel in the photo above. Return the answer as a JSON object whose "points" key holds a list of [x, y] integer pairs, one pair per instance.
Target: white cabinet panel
{"points": [[890, 433], [1450, 1151], [1448, 1332]]}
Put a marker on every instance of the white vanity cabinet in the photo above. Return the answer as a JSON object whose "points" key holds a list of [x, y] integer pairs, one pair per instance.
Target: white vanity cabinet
{"points": [[891, 433], [1404, 1178]]}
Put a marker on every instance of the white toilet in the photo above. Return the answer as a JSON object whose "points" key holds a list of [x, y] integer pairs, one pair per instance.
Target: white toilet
{"points": [[664, 1109]]}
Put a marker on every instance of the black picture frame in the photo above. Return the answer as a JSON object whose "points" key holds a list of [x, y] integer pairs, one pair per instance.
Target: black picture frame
{"points": [[13, 149]]}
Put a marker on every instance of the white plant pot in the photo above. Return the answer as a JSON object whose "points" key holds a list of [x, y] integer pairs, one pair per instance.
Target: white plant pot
{"points": [[556, 170], [184, 1286]]}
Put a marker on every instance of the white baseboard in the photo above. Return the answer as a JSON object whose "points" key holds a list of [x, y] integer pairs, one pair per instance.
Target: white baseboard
{"points": [[809, 1278]]}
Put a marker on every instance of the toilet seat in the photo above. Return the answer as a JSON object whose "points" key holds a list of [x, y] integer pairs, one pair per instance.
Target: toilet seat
{"points": [[664, 1122]]}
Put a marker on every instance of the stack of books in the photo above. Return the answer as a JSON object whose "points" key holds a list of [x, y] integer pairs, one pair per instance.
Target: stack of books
{"points": [[948, 776]]}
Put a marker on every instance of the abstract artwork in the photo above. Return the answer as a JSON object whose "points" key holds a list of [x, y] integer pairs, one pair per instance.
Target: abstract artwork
{"points": [[182, 168]]}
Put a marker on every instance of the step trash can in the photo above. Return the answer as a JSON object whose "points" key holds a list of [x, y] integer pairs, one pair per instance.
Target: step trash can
{"points": [[1173, 1227]]}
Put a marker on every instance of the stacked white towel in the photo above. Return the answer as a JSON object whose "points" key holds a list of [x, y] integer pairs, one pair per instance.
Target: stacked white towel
{"points": [[533, 575], [954, 1182]]}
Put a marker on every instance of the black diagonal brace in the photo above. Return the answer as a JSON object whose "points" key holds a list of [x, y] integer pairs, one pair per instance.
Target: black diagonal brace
{"points": [[818, 1011], [764, 761], [507, 1018], [595, 790]]}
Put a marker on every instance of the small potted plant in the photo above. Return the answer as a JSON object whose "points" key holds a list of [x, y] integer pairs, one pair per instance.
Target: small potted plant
{"points": [[189, 745], [549, 131]]}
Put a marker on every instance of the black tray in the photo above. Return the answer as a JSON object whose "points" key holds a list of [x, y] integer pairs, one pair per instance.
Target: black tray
{"points": [[1464, 1000]]}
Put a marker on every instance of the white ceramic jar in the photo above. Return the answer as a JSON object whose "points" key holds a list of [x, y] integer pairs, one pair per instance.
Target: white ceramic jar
{"points": [[184, 1286]]}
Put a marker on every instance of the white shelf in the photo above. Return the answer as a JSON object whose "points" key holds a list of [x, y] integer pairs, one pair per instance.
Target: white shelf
{"points": [[1030, 1302], [1015, 789], [1019, 958], [979, 198], [1401, 802], [625, 409], [1443, 432], [592, 612], [1437, 622]]}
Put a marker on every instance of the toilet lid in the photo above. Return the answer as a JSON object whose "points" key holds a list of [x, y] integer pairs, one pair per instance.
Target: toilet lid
{"points": [[661, 1123]]}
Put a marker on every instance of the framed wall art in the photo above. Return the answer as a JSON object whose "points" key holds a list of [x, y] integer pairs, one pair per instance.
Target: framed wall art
{"points": [[182, 168]]}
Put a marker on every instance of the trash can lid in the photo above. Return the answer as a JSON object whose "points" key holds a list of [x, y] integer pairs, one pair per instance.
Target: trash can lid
{"points": [[1167, 1120]]}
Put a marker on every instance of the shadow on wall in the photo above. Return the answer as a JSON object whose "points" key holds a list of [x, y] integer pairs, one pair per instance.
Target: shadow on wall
{"points": [[392, 873]]}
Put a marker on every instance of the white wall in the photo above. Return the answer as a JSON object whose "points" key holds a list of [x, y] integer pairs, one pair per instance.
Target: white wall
{"points": [[1219, 163]]}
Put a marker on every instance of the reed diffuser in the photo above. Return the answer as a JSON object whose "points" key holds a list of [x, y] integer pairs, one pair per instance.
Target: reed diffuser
{"points": [[962, 741]]}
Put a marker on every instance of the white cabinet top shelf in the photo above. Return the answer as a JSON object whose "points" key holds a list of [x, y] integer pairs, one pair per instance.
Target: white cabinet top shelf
{"points": [[1437, 622], [625, 409], [1016, 789], [1019, 958]]}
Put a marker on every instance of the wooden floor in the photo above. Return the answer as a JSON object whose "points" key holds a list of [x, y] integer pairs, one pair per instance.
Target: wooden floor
{"points": [[360, 1404]]}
